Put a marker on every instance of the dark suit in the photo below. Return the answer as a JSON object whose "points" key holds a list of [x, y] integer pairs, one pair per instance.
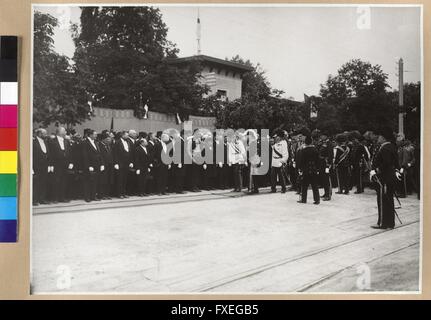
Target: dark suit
{"points": [[60, 159], [309, 165], [385, 163], [91, 158], [132, 180], [40, 169], [122, 157], [359, 156], [106, 179], [342, 168], [142, 161]]}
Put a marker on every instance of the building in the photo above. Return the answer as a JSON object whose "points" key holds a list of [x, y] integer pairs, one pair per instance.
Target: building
{"points": [[224, 78]]}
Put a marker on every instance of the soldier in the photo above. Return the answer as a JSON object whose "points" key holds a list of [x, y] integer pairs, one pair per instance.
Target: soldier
{"points": [[341, 164], [40, 167], [325, 155], [385, 172], [360, 159], [406, 155], [236, 158], [308, 166], [280, 155]]}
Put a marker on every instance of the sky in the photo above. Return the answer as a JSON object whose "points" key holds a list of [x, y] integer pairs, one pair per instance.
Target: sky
{"points": [[297, 46]]}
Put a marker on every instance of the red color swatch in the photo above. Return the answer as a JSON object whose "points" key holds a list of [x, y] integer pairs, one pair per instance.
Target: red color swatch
{"points": [[8, 139]]}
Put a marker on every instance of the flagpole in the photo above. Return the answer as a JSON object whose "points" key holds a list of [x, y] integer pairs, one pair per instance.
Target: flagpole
{"points": [[198, 33]]}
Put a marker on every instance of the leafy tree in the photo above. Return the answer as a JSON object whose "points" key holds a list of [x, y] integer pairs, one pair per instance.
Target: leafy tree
{"points": [[121, 55], [58, 97], [358, 93]]}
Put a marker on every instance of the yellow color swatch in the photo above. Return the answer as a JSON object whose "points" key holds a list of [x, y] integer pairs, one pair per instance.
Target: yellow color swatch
{"points": [[8, 162]]}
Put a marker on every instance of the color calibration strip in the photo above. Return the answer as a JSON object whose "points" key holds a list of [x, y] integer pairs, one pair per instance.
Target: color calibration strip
{"points": [[8, 138]]}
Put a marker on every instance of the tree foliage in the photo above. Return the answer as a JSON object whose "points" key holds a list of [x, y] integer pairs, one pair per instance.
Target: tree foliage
{"points": [[121, 56], [57, 96]]}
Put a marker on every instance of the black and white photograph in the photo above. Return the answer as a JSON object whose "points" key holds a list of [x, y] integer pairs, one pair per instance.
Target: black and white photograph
{"points": [[226, 148]]}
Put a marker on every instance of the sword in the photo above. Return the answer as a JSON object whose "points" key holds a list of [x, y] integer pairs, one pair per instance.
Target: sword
{"points": [[381, 199]]}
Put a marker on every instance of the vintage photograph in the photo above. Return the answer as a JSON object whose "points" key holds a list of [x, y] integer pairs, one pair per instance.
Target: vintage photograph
{"points": [[231, 148]]}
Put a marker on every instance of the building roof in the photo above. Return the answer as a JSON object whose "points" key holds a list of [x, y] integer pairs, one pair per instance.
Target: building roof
{"points": [[212, 61]]}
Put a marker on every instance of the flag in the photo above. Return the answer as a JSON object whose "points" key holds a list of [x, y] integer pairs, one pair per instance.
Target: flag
{"points": [[146, 111], [313, 110], [178, 119], [90, 109], [198, 28]]}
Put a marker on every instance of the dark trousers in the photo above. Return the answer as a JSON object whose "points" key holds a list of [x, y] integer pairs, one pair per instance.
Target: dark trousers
{"points": [[237, 176], [306, 181], [40, 181], [343, 179], [325, 180], [385, 205], [357, 178], [195, 176], [162, 178], [90, 185], [60, 184], [292, 176], [121, 181], [277, 172], [255, 182], [142, 180], [178, 174], [105, 185]]}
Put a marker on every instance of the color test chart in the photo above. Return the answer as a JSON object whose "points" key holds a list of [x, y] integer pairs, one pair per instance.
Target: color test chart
{"points": [[8, 138]]}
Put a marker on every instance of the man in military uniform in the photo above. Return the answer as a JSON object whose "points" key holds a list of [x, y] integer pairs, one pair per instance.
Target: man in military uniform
{"points": [[360, 158], [280, 155], [341, 164], [385, 173], [308, 166], [326, 155]]}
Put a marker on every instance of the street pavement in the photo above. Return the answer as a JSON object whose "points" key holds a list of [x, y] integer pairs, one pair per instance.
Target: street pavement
{"points": [[221, 241]]}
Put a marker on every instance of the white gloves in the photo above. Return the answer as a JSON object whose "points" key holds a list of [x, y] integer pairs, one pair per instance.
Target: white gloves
{"points": [[402, 170], [205, 166], [180, 165], [70, 167], [102, 168], [50, 169], [138, 172], [91, 169], [149, 170], [220, 164], [116, 167], [151, 165], [169, 166], [372, 173], [130, 165], [326, 170], [398, 175]]}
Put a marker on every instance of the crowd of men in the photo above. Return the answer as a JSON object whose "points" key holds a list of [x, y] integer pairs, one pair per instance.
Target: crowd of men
{"points": [[96, 166]]}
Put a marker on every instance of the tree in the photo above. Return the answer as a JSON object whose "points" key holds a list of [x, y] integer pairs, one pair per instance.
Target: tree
{"points": [[121, 55], [57, 96], [358, 93]]}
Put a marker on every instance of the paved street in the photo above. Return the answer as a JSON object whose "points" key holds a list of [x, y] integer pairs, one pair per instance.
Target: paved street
{"points": [[224, 242]]}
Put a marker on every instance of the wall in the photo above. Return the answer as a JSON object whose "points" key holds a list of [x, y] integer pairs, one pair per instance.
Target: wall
{"points": [[124, 120], [218, 80]]}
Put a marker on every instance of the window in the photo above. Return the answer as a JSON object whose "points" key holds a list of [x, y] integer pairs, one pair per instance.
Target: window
{"points": [[222, 95]]}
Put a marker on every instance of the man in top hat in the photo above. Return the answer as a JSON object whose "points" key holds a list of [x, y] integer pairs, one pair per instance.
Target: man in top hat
{"points": [[40, 167], [106, 176], [385, 173]]}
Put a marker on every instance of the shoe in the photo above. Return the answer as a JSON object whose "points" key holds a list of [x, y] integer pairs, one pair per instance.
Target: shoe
{"points": [[378, 227], [316, 202], [283, 191], [326, 198], [300, 201], [35, 204], [273, 191], [87, 200], [358, 192], [338, 192], [346, 192]]}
